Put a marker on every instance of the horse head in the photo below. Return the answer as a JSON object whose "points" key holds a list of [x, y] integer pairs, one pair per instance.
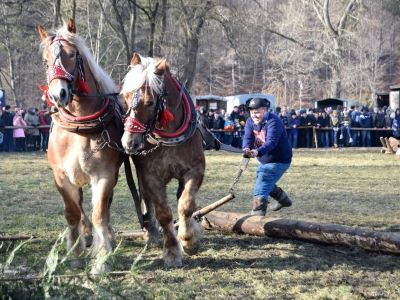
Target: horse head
{"points": [[144, 91]]}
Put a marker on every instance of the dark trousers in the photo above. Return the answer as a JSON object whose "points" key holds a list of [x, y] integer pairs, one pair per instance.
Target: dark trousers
{"points": [[20, 144], [8, 140], [45, 140]]}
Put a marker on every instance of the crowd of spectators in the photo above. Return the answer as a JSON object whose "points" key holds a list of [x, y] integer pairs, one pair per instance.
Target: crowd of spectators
{"points": [[357, 126], [340, 127], [19, 138]]}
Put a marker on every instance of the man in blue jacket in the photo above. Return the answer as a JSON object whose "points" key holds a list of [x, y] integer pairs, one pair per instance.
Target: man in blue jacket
{"points": [[265, 138]]}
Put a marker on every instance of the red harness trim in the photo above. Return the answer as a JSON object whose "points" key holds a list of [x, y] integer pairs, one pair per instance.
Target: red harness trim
{"points": [[133, 125], [56, 72], [70, 117], [187, 119]]}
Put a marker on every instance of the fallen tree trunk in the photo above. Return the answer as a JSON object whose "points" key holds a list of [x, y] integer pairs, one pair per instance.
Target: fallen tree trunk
{"points": [[15, 237], [385, 242]]}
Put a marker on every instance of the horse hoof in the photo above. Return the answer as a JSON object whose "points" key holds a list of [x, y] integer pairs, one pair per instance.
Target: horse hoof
{"points": [[173, 263], [193, 249], [99, 269], [89, 240], [78, 263]]}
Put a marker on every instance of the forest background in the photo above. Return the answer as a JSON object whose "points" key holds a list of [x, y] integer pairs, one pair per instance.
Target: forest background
{"points": [[313, 49]]}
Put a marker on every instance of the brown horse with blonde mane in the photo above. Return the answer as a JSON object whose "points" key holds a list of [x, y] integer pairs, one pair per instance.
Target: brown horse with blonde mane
{"points": [[160, 132], [85, 139]]}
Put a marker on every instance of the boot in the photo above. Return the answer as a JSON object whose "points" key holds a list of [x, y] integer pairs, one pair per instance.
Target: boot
{"points": [[259, 206], [282, 200]]}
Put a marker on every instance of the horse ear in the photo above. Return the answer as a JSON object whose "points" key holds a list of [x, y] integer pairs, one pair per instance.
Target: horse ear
{"points": [[42, 32], [135, 59], [71, 27], [161, 67]]}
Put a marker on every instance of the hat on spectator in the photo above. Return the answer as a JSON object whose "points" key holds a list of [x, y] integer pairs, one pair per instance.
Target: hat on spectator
{"points": [[7, 107], [293, 113], [256, 103], [376, 109], [303, 111]]}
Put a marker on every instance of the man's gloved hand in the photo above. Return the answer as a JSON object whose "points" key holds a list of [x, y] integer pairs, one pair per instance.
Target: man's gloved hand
{"points": [[249, 153]]}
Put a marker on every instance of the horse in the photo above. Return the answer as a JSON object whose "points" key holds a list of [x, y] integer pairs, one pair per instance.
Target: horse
{"points": [[85, 140], [160, 134]]}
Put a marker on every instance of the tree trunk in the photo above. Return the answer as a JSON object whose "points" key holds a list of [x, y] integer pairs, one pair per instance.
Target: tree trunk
{"points": [[385, 242]]}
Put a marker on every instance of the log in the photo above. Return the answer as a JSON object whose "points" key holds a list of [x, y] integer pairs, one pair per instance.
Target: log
{"points": [[328, 234], [15, 237], [196, 215]]}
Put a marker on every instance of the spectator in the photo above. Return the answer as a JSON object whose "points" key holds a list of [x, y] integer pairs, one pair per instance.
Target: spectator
{"points": [[239, 126], [229, 125], [293, 131], [222, 112], [323, 122], [265, 138], [285, 119], [23, 112], [44, 119], [235, 113], [397, 115], [31, 119], [283, 109], [203, 115], [210, 117], [8, 133], [307, 132], [346, 125], [278, 111], [365, 122], [388, 123], [378, 121], [2, 125], [18, 133], [217, 124], [355, 123], [334, 123], [395, 126]]}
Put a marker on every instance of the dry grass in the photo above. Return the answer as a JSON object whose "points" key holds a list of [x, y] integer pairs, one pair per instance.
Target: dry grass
{"points": [[347, 187]]}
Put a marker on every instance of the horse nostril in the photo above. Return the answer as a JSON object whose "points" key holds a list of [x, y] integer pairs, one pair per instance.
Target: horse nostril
{"points": [[63, 94]]}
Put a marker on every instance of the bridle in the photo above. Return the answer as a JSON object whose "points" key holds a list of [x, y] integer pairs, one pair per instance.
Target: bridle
{"points": [[133, 125], [59, 72]]}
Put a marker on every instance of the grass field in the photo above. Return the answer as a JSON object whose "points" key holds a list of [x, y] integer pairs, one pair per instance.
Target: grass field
{"points": [[357, 188]]}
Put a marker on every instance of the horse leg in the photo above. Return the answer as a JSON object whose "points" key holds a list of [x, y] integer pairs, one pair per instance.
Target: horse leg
{"points": [[189, 232], [172, 253], [73, 214], [102, 192], [86, 226], [152, 232], [179, 192]]}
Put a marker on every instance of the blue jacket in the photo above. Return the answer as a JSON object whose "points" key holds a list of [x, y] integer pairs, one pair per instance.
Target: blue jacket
{"points": [[365, 120], [270, 140]]}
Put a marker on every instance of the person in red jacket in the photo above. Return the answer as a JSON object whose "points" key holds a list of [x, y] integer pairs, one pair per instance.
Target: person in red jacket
{"points": [[44, 120]]}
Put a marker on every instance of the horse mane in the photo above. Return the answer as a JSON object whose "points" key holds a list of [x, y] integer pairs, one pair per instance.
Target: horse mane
{"points": [[104, 81], [141, 73]]}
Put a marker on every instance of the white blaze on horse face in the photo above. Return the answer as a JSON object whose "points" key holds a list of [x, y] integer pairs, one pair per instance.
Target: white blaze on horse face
{"points": [[131, 142], [59, 92]]}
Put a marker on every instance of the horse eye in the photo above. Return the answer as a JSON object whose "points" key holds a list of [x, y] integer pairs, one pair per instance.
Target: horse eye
{"points": [[72, 55], [149, 104]]}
